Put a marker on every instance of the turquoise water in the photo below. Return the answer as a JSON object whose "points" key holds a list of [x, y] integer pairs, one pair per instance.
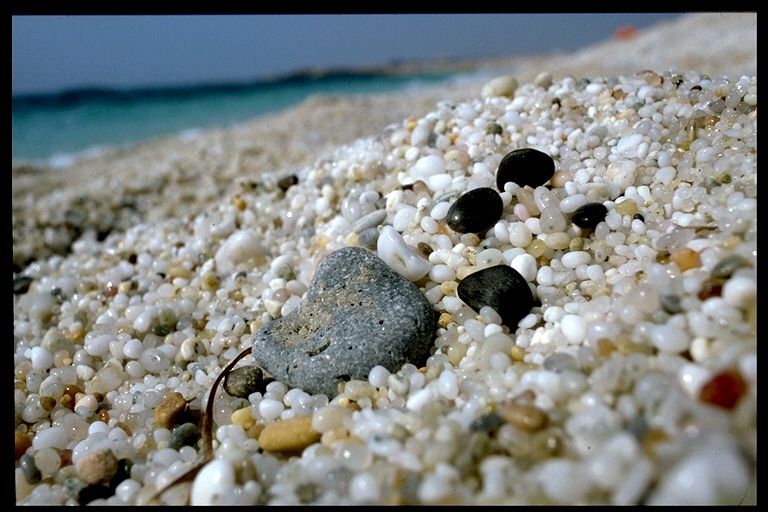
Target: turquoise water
{"points": [[50, 126]]}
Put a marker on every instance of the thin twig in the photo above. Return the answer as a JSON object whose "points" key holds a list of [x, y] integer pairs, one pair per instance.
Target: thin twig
{"points": [[207, 429]]}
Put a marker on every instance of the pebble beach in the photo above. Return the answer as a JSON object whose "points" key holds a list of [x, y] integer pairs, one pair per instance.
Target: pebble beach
{"points": [[535, 288]]}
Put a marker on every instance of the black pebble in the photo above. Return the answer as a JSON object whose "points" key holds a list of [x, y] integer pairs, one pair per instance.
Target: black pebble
{"points": [[500, 287], [589, 215], [93, 492], [185, 434], [21, 284], [123, 472], [475, 211], [243, 381], [486, 423], [287, 182], [525, 166]]}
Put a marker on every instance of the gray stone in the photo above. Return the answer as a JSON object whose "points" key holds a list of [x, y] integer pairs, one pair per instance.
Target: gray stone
{"points": [[358, 313]]}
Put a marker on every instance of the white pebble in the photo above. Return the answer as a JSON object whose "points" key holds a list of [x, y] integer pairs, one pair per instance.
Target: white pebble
{"points": [[525, 264], [628, 145], [519, 234], [739, 290], [442, 273], [270, 409], [364, 488], [378, 376], [420, 398], [448, 384], [241, 246], [213, 484], [427, 166], [399, 256], [41, 358], [573, 328], [669, 338], [52, 437], [575, 258]]}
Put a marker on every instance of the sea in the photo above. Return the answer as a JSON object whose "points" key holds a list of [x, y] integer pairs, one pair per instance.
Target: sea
{"points": [[55, 129]]}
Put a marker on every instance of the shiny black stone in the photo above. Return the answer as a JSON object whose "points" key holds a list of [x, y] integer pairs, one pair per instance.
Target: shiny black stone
{"points": [[475, 211], [500, 287], [589, 215], [525, 166]]}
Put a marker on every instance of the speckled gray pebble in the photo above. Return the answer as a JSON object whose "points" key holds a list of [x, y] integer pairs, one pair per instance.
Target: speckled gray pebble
{"points": [[29, 469], [370, 220], [358, 313], [243, 381]]}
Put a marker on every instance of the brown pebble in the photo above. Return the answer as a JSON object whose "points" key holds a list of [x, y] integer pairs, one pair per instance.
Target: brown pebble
{"points": [[525, 417], [604, 347], [21, 443], [47, 403], [66, 457], [103, 415], [289, 435], [685, 258], [69, 399], [712, 287], [424, 248], [96, 466], [170, 410]]}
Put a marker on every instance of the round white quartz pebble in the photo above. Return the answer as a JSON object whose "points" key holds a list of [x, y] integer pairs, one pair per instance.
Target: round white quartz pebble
{"points": [[364, 488], [448, 384], [573, 328], [525, 264], [627, 145], [442, 273], [739, 290], [519, 234], [241, 246], [420, 398], [378, 376], [575, 258], [500, 86], [270, 409], [427, 166], [127, 490], [562, 481], [41, 358], [669, 338], [399, 256], [214, 483], [715, 474], [692, 378], [53, 437]]}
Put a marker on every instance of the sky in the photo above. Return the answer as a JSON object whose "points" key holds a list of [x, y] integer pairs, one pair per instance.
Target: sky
{"points": [[54, 53]]}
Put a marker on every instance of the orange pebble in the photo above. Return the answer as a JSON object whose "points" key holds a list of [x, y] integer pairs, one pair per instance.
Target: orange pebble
{"points": [[685, 258]]}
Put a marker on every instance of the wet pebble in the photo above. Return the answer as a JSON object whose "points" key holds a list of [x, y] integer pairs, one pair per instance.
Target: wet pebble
{"points": [[589, 215], [185, 434], [243, 381], [475, 211], [500, 287], [526, 166], [358, 313]]}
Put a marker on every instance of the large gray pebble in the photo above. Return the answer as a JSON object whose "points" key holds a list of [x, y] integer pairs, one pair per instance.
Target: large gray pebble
{"points": [[358, 313]]}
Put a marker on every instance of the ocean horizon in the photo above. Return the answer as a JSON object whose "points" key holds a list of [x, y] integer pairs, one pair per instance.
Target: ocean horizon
{"points": [[57, 128]]}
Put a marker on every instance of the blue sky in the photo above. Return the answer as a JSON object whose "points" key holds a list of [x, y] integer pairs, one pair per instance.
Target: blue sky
{"points": [[51, 53]]}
